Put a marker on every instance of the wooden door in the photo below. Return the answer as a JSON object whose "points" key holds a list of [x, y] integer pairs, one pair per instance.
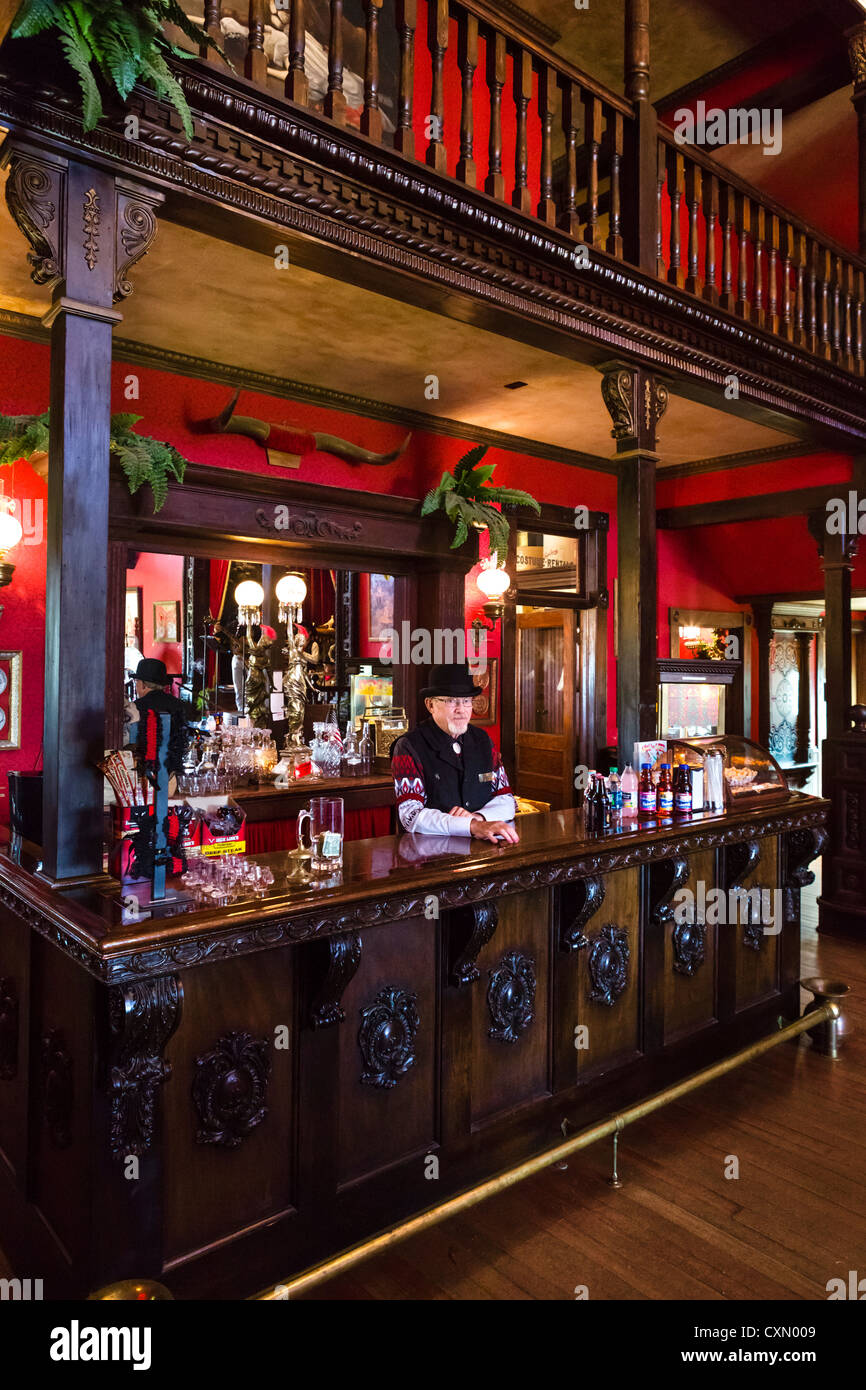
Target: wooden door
{"points": [[546, 664]]}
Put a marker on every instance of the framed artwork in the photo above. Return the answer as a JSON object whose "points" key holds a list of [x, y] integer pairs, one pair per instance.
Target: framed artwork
{"points": [[132, 624], [166, 621], [10, 699], [381, 604], [485, 706]]}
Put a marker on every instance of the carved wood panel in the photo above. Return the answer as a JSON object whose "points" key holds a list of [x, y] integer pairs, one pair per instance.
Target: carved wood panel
{"points": [[757, 974], [606, 971], [387, 1050], [690, 955]]}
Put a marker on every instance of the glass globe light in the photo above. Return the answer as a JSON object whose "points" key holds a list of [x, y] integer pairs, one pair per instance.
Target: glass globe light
{"points": [[291, 590], [493, 582], [10, 529], [249, 597]]}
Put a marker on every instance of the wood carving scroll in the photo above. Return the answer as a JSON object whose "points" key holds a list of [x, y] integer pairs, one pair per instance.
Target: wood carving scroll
{"points": [[511, 997], [801, 847], [57, 1088], [665, 879], [9, 1015], [343, 955], [609, 958], [35, 195], [617, 390], [136, 229], [689, 943], [387, 1037], [229, 1089], [578, 906], [470, 929], [142, 1018], [740, 859]]}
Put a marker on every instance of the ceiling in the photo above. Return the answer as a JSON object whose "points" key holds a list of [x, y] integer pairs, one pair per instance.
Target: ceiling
{"points": [[333, 334]]}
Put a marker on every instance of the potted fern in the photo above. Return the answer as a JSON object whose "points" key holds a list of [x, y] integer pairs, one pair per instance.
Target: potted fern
{"points": [[466, 496], [142, 459], [117, 43]]}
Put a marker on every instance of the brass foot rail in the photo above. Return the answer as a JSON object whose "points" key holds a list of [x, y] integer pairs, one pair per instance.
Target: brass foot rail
{"points": [[827, 1013]]}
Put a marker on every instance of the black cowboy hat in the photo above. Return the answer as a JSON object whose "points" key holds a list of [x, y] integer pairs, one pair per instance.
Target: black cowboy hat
{"points": [[152, 671], [454, 679]]}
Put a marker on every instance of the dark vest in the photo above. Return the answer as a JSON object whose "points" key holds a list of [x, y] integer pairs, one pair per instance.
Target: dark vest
{"points": [[449, 779]]}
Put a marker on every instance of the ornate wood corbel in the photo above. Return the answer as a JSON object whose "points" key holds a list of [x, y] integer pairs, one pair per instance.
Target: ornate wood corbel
{"points": [[343, 956], [36, 198], [580, 902], [800, 846], [470, 929], [142, 1017], [666, 878]]}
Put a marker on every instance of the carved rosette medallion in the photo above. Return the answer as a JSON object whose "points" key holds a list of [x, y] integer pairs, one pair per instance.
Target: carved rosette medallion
{"points": [[34, 192], [8, 1029], [57, 1088], [229, 1089], [572, 936], [136, 229], [142, 1018], [387, 1037], [91, 220], [511, 997], [689, 943], [609, 958]]}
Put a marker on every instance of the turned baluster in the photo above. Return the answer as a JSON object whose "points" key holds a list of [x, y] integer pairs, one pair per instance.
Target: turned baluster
{"points": [[615, 139], [743, 209], [812, 282], [407, 23], [711, 218], [859, 292], [760, 243], [847, 308], [371, 116], [521, 197], [772, 271], [676, 189], [212, 27], [467, 59], [297, 88], [592, 136], [787, 247], [661, 179], [546, 107], [837, 307], [568, 219], [255, 63], [335, 99], [726, 298], [495, 181], [693, 207], [800, 290], [825, 338], [437, 42]]}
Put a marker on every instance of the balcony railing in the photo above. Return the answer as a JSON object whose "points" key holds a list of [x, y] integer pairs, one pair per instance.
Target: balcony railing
{"points": [[445, 82]]}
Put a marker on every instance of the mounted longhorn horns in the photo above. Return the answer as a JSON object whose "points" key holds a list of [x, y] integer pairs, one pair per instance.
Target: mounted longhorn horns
{"points": [[288, 441]]}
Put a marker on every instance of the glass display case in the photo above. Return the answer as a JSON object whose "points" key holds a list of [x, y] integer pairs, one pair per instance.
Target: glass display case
{"points": [[692, 697], [737, 771]]}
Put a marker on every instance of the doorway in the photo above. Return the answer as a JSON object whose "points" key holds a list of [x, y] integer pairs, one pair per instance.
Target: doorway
{"points": [[547, 678]]}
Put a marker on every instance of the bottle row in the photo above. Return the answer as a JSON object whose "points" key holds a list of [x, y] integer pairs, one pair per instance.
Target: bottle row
{"points": [[613, 800]]}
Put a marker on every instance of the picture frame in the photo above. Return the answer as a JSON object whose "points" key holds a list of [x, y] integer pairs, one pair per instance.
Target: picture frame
{"points": [[132, 618], [485, 706], [166, 621], [381, 610], [10, 700]]}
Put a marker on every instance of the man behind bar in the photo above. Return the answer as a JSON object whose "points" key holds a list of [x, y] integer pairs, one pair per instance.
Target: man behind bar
{"points": [[448, 777]]}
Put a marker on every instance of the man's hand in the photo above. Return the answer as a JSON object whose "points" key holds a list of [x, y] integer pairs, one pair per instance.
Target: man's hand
{"points": [[495, 830]]}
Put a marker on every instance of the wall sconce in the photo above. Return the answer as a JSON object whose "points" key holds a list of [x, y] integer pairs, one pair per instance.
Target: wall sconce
{"points": [[249, 597], [291, 591], [691, 636], [11, 532], [494, 583]]}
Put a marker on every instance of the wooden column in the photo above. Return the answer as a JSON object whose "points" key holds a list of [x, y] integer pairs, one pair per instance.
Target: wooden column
{"points": [[804, 704], [857, 54], [636, 402], [643, 221], [837, 553], [764, 632], [86, 230]]}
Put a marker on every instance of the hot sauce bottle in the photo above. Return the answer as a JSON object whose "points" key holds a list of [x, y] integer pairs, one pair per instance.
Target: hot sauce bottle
{"points": [[646, 796], [665, 792]]}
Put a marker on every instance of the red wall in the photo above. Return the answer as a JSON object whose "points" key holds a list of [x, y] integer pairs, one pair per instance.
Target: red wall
{"points": [[160, 578], [22, 626]]}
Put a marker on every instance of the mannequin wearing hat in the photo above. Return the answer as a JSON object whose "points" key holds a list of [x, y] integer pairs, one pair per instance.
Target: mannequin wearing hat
{"points": [[448, 777]]}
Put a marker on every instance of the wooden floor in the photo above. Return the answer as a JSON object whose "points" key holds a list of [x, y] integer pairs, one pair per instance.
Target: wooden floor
{"points": [[679, 1229]]}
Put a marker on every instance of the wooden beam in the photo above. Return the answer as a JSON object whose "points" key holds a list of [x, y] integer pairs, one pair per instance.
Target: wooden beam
{"points": [[764, 506]]}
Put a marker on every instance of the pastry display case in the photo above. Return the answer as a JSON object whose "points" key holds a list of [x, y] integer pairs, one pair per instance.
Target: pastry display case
{"points": [[737, 772]]}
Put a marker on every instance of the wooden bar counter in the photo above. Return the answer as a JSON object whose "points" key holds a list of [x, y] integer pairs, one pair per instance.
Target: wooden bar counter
{"points": [[219, 1098]]}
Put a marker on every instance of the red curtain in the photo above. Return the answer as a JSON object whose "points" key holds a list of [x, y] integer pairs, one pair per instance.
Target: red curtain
{"points": [[217, 584], [320, 602], [269, 835]]}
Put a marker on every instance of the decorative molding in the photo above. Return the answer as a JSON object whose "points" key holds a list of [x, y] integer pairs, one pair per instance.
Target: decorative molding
{"points": [[689, 946], [511, 997], [91, 224], [655, 402], [470, 929], [259, 932], [571, 936], [142, 1018], [617, 392], [727, 461], [609, 958], [229, 1089], [387, 1037], [243, 157], [344, 957], [310, 527], [134, 236], [35, 195], [9, 1021], [665, 879], [57, 1088]]}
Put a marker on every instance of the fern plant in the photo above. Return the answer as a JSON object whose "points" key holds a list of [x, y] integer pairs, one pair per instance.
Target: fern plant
{"points": [[143, 460], [118, 42], [466, 497]]}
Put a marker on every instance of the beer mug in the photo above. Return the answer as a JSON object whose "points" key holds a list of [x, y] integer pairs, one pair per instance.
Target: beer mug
{"points": [[325, 815]]}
